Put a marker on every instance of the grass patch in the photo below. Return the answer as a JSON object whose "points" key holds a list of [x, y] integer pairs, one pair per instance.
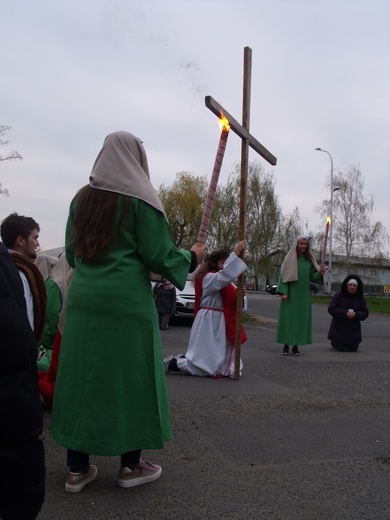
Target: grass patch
{"points": [[255, 319], [250, 319], [380, 305]]}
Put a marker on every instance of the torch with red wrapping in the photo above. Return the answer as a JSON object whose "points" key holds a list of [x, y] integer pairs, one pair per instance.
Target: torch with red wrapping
{"points": [[325, 241], [225, 127]]}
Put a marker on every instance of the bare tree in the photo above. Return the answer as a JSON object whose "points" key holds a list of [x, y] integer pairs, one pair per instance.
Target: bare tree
{"points": [[290, 229], [268, 232], [357, 237], [223, 226], [264, 218], [11, 156]]}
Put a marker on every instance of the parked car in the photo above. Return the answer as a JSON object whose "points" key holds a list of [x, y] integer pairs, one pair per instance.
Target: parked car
{"points": [[313, 288], [272, 288], [185, 300]]}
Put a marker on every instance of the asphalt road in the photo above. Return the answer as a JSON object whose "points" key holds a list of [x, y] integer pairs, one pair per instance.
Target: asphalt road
{"points": [[302, 438]]}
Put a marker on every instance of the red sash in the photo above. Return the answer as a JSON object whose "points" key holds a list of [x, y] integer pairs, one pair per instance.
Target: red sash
{"points": [[229, 304]]}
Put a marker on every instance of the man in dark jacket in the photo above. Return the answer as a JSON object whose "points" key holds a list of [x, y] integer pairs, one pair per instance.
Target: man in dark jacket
{"points": [[348, 308], [20, 235], [22, 464]]}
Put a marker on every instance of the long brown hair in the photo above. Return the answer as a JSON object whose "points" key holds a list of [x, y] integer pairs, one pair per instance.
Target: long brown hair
{"points": [[94, 229], [211, 262]]}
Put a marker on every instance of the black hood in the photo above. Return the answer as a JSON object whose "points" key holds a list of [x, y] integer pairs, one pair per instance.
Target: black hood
{"points": [[360, 289]]}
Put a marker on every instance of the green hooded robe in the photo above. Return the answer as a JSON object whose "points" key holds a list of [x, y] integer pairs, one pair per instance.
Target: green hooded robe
{"points": [[110, 395], [294, 322]]}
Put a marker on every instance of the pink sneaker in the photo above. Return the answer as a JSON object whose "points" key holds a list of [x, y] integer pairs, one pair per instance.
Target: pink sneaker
{"points": [[146, 472], [76, 481]]}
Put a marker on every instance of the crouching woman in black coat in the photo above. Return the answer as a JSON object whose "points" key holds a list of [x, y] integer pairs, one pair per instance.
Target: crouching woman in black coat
{"points": [[348, 308]]}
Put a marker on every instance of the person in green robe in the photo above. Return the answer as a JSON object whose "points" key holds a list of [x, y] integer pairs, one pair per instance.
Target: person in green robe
{"points": [[299, 268], [110, 397], [56, 285]]}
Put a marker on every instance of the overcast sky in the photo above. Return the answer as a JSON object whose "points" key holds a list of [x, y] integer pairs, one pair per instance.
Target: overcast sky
{"points": [[74, 71]]}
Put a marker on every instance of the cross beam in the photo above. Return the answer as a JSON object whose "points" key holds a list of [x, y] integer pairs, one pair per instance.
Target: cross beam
{"points": [[238, 129]]}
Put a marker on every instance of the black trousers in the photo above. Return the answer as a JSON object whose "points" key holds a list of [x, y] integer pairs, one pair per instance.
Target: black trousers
{"points": [[22, 479], [78, 460]]}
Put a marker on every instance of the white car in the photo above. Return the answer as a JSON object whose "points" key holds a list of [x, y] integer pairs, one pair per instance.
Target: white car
{"points": [[185, 300]]}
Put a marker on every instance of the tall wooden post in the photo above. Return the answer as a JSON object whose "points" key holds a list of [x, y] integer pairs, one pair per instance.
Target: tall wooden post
{"points": [[248, 140], [243, 198]]}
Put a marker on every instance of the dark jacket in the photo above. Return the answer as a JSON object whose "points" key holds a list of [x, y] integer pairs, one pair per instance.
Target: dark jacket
{"points": [[20, 406], [165, 299], [343, 330]]}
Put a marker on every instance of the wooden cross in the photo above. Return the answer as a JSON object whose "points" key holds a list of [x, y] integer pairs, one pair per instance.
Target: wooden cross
{"points": [[247, 140]]}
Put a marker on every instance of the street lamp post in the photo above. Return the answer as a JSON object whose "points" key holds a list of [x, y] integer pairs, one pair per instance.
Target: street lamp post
{"points": [[331, 222]]}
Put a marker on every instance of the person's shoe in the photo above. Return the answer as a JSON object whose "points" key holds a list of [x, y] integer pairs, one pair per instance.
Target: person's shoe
{"points": [[170, 364], [76, 481], [295, 351], [146, 472], [167, 360], [285, 351]]}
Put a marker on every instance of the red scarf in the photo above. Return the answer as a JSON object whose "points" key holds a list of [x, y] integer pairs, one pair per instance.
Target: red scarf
{"points": [[229, 308]]}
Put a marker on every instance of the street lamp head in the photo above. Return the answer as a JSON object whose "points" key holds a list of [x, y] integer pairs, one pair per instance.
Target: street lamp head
{"points": [[325, 151]]}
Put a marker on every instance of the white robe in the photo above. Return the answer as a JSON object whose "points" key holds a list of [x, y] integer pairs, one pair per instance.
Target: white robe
{"points": [[210, 352]]}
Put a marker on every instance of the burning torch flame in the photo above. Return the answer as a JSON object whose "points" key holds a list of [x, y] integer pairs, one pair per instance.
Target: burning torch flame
{"points": [[223, 123], [328, 220]]}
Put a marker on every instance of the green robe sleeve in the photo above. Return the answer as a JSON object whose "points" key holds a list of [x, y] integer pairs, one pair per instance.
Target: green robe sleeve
{"points": [[282, 288], [315, 276], [155, 246]]}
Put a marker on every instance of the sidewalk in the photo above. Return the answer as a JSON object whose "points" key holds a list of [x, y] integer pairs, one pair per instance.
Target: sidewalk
{"points": [[302, 438]]}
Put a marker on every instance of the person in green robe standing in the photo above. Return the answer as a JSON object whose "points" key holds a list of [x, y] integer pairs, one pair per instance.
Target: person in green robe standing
{"points": [[299, 268], [110, 397]]}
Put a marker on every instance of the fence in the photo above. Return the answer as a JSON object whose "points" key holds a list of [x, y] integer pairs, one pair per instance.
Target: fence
{"points": [[369, 289]]}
